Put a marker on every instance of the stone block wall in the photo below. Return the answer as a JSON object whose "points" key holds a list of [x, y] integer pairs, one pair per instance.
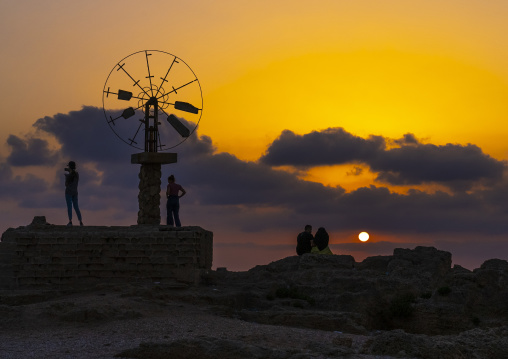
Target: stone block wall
{"points": [[41, 254]]}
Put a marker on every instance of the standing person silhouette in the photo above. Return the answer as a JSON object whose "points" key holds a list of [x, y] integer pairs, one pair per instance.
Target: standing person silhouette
{"points": [[71, 192], [173, 204]]}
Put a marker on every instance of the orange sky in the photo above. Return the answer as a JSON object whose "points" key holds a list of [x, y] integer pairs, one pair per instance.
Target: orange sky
{"points": [[438, 69]]}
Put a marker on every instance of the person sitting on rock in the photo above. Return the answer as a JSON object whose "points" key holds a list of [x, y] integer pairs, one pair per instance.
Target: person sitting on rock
{"points": [[304, 241], [321, 240]]}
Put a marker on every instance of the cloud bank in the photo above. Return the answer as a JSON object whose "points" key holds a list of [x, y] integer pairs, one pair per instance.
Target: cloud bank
{"points": [[258, 197], [458, 167]]}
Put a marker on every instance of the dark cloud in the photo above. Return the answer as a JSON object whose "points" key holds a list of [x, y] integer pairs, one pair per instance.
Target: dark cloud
{"points": [[413, 163], [5, 173], [330, 146], [356, 171], [85, 136], [29, 152], [227, 180], [17, 187], [115, 187], [420, 212], [407, 139], [225, 191], [454, 165], [108, 181]]}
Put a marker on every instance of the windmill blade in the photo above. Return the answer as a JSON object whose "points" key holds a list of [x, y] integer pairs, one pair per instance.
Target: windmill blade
{"points": [[178, 126], [128, 112], [124, 95], [187, 107]]}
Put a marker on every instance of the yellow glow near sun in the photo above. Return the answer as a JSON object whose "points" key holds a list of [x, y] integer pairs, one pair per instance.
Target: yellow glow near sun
{"points": [[348, 176], [383, 92], [364, 236]]}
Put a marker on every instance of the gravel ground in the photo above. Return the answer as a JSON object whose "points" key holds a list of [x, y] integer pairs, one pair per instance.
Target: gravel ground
{"points": [[91, 326]]}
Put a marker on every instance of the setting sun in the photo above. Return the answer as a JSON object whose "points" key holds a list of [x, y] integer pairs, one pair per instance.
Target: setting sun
{"points": [[364, 236]]}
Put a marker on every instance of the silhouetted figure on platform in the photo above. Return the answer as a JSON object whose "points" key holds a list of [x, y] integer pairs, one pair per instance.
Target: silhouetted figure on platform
{"points": [[173, 204], [304, 241], [71, 191], [321, 240]]}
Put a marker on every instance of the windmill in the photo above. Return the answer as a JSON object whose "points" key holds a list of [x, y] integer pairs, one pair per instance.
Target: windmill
{"points": [[152, 101]]}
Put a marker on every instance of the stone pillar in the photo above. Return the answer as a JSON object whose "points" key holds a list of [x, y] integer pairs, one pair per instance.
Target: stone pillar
{"points": [[149, 194], [150, 184]]}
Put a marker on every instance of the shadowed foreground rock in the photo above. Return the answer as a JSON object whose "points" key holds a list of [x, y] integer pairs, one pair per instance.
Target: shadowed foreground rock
{"points": [[415, 290], [203, 348], [474, 344], [412, 304]]}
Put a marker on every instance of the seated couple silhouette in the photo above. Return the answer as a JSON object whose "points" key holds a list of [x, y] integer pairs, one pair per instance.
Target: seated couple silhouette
{"points": [[307, 243]]}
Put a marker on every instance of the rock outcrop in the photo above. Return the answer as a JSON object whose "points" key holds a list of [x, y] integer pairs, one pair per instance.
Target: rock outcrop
{"points": [[415, 290], [412, 304], [474, 344]]}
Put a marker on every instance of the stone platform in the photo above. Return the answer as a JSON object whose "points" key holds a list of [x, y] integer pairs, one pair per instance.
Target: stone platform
{"points": [[43, 254]]}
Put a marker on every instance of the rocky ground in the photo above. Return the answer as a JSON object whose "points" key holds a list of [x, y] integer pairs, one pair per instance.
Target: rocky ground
{"points": [[409, 305]]}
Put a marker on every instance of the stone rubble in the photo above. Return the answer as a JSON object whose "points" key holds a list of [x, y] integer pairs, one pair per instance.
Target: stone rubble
{"points": [[412, 304]]}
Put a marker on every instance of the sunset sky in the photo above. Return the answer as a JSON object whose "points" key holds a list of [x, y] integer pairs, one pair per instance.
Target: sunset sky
{"points": [[363, 115]]}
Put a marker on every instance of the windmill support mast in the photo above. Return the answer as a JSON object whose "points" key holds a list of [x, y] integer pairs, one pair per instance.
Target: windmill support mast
{"points": [[150, 184], [150, 173]]}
